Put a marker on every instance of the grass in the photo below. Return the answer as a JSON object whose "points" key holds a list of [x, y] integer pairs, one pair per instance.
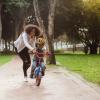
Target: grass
{"points": [[86, 65], [5, 58]]}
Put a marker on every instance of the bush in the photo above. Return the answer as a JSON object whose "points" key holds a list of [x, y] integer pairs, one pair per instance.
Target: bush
{"points": [[7, 52]]}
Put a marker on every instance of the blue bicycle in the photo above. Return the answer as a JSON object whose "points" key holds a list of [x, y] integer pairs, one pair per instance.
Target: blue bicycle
{"points": [[39, 67], [38, 74]]}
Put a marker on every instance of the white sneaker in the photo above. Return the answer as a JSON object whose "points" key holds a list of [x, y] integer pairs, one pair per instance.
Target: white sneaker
{"points": [[25, 79]]}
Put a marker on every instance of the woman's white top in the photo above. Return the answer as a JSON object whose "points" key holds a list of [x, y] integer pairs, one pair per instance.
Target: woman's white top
{"points": [[24, 41]]}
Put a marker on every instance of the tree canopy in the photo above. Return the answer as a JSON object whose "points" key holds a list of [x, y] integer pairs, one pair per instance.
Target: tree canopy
{"points": [[78, 19], [81, 22]]}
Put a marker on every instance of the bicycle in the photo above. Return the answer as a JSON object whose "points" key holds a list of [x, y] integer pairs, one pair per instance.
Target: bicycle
{"points": [[38, 71]]}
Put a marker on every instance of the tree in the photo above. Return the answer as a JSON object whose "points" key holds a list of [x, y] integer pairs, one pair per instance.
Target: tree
{"points": [[0, 18], [90, 33], [12, 22], [49, 31], [81, 22], [68, 15], [14, 7]]}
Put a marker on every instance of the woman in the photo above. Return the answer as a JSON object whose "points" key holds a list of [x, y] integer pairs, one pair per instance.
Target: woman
{"points": [[24, 43]]}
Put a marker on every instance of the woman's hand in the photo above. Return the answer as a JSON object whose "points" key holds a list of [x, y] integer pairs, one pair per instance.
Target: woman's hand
{"points": [[33, 51]]}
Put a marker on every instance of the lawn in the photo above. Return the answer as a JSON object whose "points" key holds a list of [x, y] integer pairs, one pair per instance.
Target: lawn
{"points": [[86, 65], [5, 58]]}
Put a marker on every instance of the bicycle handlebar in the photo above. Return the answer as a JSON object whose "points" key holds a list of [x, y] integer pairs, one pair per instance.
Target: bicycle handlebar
{"points": [[38, 53]]}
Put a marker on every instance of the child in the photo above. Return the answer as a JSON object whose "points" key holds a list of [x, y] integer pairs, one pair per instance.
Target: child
{"points": [[38, 56]]}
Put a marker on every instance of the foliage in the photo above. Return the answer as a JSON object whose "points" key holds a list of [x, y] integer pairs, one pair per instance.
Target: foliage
{"points": [[68, 16], [17, 3], [13, 12], [80, 21]]}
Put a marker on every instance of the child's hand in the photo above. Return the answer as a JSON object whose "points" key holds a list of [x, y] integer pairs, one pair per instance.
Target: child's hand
{"points": [[47, 53]]}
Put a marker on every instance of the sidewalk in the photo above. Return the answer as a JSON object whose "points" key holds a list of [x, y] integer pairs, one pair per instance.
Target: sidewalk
{"points": [[57, 84]]}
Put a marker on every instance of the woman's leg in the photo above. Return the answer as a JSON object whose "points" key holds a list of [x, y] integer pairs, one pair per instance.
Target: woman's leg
{"points": [[27, 64], [24, 55]]}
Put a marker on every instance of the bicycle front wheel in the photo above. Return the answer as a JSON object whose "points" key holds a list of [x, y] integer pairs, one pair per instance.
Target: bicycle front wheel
{"points": [[38, 80]]}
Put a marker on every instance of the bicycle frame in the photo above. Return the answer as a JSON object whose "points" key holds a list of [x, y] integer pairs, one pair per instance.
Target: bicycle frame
{"points": [[38, 73]]}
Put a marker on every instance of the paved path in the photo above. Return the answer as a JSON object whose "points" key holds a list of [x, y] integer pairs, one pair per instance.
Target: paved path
{"points": [[55, 85]]}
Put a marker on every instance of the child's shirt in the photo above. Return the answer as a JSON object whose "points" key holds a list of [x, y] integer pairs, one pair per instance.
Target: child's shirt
{"points": [[39, 55]]}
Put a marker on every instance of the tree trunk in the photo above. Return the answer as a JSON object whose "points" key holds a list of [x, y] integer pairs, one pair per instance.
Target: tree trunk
{"points": [[99, 49], [13, 46], [51, 30], [5, 45], [38, 16], [86, 49], [21, 20], [40, 20], [93, 48], [56, 45], [74, 48], [51, 49], [0, 22], [49, 35], [1, 44], [19, 23], [9, 45]]}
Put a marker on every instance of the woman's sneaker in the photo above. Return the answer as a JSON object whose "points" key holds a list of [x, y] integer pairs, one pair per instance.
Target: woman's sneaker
{"points": [[25, 79]]}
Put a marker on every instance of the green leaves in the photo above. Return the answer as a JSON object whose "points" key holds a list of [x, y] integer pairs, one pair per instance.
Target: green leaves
{"points": [[17, 3]]}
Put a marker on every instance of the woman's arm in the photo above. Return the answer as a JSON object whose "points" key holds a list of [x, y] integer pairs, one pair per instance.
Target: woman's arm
{"points": [[26, 42]]}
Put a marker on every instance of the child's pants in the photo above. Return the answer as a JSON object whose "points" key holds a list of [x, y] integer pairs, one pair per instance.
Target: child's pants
{"points": [[34, 65]]}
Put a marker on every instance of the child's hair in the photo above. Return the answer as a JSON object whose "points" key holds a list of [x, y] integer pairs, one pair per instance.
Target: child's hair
{"points": [[30, 27], [41, 36], [40, 42]]}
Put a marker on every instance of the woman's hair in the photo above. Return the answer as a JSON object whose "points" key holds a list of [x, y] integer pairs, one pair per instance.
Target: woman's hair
{"points": [[30, 27]]}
